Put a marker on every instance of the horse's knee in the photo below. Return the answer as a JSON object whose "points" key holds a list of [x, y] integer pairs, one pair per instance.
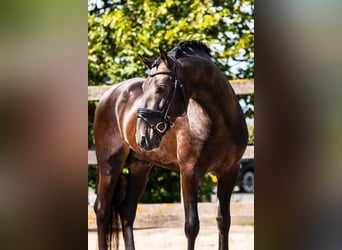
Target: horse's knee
{"points": [[192, 228], [100, 211], [223, 225], [96, 206]]}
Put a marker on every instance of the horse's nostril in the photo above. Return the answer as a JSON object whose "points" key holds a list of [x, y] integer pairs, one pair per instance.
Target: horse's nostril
{"points": [[143, 142]]}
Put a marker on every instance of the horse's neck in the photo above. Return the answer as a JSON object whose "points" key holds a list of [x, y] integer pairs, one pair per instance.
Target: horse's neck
{"points": [[206, 84], [217, 100]]}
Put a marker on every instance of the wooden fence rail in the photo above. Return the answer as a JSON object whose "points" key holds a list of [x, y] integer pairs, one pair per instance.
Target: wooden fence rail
{"points": [[241, 87]]}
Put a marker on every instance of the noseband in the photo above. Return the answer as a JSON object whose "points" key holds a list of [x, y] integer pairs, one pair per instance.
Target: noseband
{"points": [[166, 122]]}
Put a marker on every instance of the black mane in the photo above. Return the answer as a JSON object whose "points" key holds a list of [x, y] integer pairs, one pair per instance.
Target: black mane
{"points": [[190, 48], [186, 49]]}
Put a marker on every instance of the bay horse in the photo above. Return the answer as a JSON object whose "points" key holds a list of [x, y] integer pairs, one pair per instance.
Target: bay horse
{"points": [[184, 116]]}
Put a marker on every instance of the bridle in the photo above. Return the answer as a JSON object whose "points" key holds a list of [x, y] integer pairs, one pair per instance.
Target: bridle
{"points": [[166, 122]]}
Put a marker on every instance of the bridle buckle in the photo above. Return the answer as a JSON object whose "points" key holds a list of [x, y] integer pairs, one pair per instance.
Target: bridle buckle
{"points": [[161, 127]]}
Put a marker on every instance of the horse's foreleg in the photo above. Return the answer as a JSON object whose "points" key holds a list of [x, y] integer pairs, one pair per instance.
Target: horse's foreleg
{"points": [[138, 174], [226, 183], [190, 191]]}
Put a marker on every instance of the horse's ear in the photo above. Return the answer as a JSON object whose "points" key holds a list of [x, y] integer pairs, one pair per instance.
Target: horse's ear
{"points": [[147, 61], [165, 58]]}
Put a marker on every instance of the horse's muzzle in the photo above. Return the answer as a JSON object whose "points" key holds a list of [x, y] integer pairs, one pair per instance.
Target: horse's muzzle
{"points": [[147, 144], [156, 120], [144, 143]]}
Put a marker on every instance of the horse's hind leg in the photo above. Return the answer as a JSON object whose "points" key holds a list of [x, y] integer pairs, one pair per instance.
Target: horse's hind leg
{"points": [[110, 164], [226, 183], [138, 174]]}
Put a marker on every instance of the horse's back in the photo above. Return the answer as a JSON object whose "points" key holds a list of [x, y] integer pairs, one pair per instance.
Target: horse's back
{"points": [[114, 92], [119, 93]]}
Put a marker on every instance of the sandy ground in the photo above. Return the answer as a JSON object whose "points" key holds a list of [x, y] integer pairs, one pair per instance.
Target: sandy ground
{"points": [[241, 238], [167, 221]]}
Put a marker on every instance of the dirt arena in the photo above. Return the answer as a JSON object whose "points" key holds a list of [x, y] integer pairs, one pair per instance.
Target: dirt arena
{"points": [[160, 226], [241, 238]]}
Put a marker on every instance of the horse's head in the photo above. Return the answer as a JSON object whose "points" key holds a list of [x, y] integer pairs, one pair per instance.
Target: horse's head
{"points": [[163, 100]]}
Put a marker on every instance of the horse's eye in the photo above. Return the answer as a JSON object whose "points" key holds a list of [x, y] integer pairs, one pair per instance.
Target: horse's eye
{"points": [[161, 88]]}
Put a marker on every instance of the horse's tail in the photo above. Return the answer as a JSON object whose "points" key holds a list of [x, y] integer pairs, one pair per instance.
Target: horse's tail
{"points": [[114, 218]]}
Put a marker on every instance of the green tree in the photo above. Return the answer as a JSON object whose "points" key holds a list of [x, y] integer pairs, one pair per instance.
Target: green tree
{"points": [[121, 30]]}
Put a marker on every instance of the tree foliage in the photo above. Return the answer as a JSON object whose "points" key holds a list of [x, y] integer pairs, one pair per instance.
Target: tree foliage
{"points": [[120, 30]]}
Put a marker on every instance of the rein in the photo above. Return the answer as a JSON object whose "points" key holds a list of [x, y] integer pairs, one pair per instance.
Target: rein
{"points": [[166, 122]]}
